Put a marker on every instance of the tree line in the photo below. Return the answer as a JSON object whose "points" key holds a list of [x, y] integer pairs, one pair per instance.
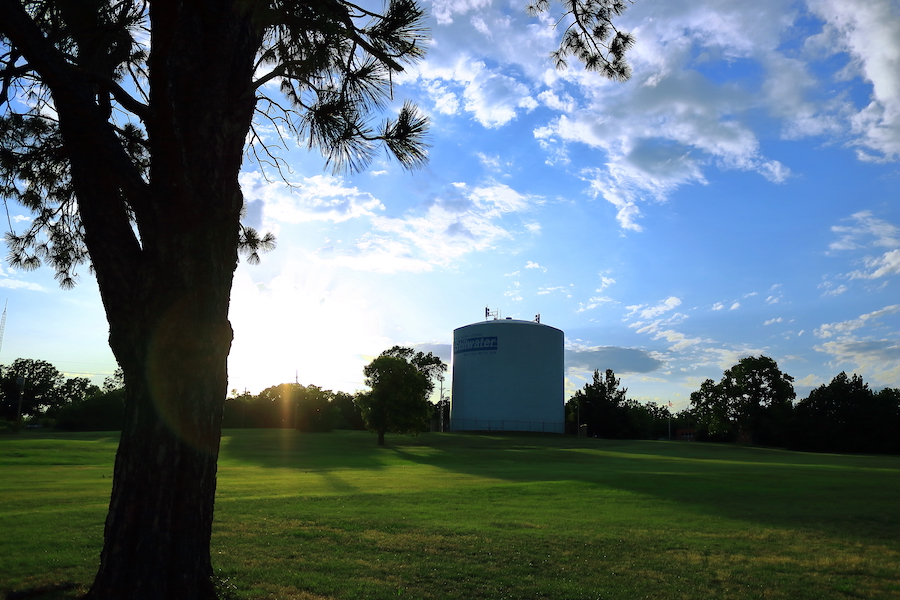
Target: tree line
{"points": [[36, 393], [401, 381], [755, 403]]}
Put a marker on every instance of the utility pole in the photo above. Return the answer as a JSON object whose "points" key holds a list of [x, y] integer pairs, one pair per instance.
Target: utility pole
{"points": [[20, 383], [670, 420], [441, 405]]}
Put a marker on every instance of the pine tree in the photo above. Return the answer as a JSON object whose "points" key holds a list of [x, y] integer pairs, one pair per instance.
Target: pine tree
{"points": [[124, 127]]}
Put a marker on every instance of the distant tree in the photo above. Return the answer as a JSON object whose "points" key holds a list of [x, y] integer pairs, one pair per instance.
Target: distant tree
{"points": [[237, 407], [286, 405], [887, 415], [432, 367], [347, 413], [715, 417], [313, 410], [75, 390], [273, 406], [846, 416], [600, 406], [101, 410], [398, 400], [116, 381], [753, 397], [646, 420], [41, 390], [604, 410]]}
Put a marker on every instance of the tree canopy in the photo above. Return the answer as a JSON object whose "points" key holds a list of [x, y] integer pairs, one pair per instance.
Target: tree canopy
{"points": [[845, 415], [401, 380], [753, 398]]}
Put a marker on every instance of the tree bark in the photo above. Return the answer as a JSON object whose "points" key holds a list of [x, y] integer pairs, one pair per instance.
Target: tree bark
{"points": [[166, 288]]}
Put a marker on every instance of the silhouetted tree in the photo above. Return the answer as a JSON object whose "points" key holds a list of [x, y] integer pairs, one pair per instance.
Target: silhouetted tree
{"points": [[100, 411], [41, 390], [312, 409], [74, 390], [753, 396], [398, 400], [714, 415], [348, 414], [600, 406], [432, 367], [604, 411], [116, 381], [124, 129], [846, 416]]}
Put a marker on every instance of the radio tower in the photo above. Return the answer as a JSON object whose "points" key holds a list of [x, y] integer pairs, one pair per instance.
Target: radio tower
{"points": [[3, 323]]}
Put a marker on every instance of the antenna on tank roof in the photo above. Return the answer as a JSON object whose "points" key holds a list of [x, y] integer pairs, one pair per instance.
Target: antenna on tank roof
{"points": [[488, 313], [537, 318]]}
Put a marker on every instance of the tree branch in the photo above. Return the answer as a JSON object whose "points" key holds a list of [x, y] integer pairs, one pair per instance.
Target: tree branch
{"points": [[101, 168]]}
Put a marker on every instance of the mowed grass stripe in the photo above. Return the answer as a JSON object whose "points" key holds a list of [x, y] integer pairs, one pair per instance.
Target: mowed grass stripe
{"points": [[322, 516]]}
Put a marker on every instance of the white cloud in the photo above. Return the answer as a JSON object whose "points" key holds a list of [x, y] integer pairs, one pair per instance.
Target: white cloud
{"points": [[465, 219], [828, 330], [605, 282], [878, 359], [735, 306], [593, 303], [773, 321], [674, 120], [870, 33], [376, 254], [648, 312], [445, 10], [534, 265], [831, 289], [18, 284], [718, 306], [566, 291], [880, 266], [491, 162], [866, 231], [318, 198]]}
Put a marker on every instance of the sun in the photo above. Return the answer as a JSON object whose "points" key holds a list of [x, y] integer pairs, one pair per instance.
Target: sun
{"points": [[305, 324]]}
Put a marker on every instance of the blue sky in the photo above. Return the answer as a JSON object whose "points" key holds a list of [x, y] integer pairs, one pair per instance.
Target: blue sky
{"points": [[740, 195]]}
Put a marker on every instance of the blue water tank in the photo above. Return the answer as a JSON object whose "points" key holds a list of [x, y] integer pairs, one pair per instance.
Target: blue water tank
{"points": [[508, 375]]}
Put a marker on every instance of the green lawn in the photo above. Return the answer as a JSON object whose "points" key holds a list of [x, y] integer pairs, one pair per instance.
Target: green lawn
{"points": [[323, 516]]}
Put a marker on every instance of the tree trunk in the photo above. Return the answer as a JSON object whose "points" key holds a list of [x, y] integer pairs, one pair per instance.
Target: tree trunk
{"points": [[168, 305], [160, 517], [381, 437]]}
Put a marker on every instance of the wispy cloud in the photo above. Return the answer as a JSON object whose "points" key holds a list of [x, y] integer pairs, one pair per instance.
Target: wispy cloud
{"points": [[318, 198], [864, 234], [649, 312], [828, 330]]}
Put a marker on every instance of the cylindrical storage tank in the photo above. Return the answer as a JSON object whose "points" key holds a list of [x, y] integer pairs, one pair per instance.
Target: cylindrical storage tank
{"points": [[507, 376]]}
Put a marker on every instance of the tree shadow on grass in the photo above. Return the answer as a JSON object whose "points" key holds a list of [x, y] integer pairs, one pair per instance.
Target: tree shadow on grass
{"points": [[66, 590], [853, 497]]}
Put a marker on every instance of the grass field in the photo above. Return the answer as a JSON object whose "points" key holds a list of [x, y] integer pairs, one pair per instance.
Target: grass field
{"points": [[452, 516]]}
